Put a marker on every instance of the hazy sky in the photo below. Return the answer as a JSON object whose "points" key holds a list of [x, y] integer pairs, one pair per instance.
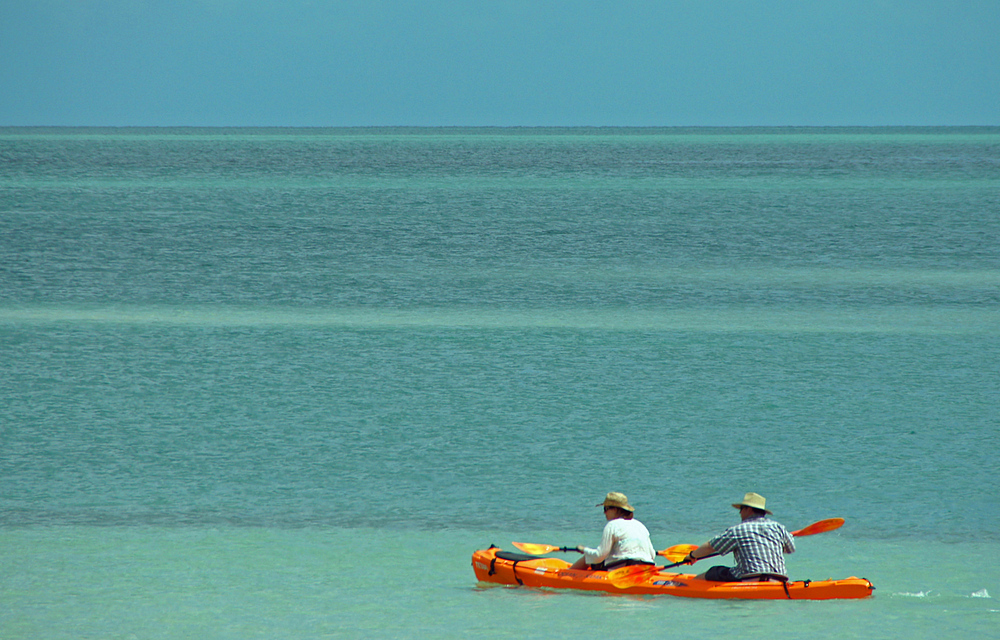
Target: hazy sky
{"points": [[531, 63]]}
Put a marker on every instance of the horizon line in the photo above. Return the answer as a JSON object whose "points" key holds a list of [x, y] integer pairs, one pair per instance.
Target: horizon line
{"points": [[490, 126]]}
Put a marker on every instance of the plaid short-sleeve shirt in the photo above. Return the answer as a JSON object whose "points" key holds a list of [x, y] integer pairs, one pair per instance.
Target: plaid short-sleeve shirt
{"points": [[757, 545]]}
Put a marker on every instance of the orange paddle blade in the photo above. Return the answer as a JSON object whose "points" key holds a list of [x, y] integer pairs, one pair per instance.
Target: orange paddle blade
{"points": [[630, 576], [535, 549], [820, 527], [677, 552]]}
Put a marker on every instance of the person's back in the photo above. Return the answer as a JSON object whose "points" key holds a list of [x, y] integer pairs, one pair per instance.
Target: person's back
{"points": [[624, 540], [758, 545], [629, 540]]}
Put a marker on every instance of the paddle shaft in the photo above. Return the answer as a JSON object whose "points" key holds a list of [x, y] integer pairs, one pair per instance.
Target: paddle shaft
{"points": [[677, 564], [817, 527]]}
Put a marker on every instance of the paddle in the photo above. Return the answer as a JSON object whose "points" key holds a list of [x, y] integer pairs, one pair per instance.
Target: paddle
{"points": [[676, 552], [538, 549], [820, 527], [637, 574]]}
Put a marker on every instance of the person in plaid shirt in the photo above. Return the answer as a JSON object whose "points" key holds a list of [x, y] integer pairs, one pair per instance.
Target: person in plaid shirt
{"points": [[757, 544]]}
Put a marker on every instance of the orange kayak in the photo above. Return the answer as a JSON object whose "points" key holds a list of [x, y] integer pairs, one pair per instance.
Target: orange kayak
{"points": [[505, 567]]}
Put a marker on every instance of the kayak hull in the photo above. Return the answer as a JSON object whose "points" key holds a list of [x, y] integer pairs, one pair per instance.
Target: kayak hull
{"points": [[496, 566]]}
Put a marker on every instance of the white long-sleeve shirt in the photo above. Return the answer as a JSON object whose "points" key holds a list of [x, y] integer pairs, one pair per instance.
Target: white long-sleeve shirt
{"points": [[622, 540]]}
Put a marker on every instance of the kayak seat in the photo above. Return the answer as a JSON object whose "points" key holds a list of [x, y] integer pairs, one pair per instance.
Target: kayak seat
{"points": [[763, 577]]}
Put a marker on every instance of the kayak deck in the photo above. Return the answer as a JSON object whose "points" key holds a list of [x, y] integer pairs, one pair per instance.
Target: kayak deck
{"points": [[501, 567]]}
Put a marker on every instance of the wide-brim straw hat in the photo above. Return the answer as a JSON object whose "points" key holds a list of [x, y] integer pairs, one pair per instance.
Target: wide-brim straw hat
{"points": [[754, 500], [615, 499]]}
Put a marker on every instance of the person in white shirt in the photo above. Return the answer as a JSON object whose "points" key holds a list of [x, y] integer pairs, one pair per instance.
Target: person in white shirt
{"points": [[625, 540]]}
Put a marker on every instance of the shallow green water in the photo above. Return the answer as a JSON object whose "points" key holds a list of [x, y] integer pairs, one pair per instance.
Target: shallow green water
{"points": [[283, 383], [150, 582]]}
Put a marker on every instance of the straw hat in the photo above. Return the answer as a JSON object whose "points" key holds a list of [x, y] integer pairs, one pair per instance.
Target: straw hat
{"points": [[615, 499], [754, 500]]}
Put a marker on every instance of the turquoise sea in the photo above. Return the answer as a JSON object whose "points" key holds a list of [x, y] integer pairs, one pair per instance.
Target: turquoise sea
{"points": [[281, 383]]}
